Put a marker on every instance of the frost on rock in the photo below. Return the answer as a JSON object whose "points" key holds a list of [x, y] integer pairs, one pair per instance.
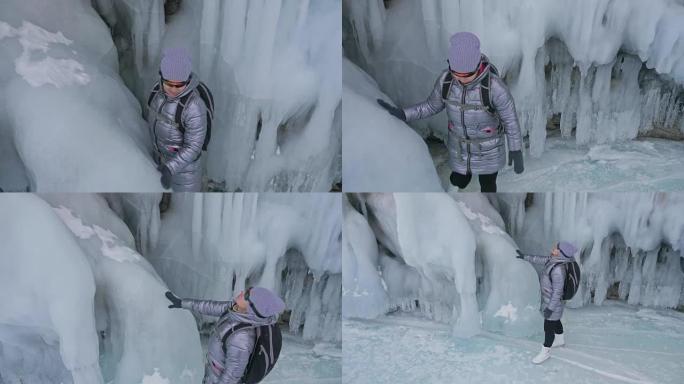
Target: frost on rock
{"points": [[604, 71]]}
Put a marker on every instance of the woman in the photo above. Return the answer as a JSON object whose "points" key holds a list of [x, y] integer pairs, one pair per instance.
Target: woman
{"points": [[552, 281]]}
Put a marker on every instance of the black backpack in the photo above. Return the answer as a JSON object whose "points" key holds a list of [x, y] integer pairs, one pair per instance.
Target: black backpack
{"points": [[205, 95], [485, 84], [572, 279], [266, 350]]}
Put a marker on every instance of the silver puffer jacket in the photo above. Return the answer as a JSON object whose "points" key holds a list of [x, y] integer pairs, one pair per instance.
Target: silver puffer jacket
{"points": [[475, 140], [180, 152], [227, 368], [551, 281]]}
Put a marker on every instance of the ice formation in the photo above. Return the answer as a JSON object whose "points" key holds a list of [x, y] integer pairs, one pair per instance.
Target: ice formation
{"points": [[452, 257], [611, 69], [66, 116], [631, 245], [446, 256], [212, 246], [94, 310], [368, 131], [274, 69]]}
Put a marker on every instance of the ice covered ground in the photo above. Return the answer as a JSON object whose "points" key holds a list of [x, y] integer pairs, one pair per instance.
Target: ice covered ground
{"points": [[630, 166], [614, 343]]}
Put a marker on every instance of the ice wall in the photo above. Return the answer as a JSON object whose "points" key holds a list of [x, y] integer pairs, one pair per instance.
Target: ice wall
{"points": [[65, 113], [630, 244], [446, 256], [611, 69], [274, 69], [212, 246], [47, 291], [377, 146], [111, 298]]}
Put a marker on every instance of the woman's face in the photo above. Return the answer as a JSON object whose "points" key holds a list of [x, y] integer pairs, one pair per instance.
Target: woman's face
{"points": [[241, 303], [555, 252], [174, 88]]}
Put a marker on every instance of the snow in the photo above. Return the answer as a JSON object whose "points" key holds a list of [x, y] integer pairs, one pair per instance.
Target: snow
{"points": [[58, 72], [607, 344]]}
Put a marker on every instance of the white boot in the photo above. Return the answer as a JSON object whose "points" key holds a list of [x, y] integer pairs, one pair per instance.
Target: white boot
{"points": [[558, 341], [543, 355]]}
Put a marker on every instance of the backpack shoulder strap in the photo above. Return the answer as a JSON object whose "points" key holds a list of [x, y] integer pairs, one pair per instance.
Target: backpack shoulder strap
{"points": [[179, 111], [207, 97], [154, 93], [485, 91], [446, 85], [231, 331]]}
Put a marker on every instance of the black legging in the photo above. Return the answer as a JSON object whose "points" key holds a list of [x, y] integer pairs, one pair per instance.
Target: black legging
{"points": [[487, 182], [551, 329]]}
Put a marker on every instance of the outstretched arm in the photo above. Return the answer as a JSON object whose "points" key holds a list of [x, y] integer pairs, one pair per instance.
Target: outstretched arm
{"points": [[207, 307], [536, 259], [433, 105]]}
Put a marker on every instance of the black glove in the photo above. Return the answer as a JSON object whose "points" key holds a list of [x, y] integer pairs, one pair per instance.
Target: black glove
{"points": [[165, 177], [520, 254], [394, 111], [515, 158], [175, 301], [547, 313]]}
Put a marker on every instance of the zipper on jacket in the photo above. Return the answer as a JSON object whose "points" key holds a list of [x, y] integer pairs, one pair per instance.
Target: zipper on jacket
{"points": [[156, 119], [465, 131]]}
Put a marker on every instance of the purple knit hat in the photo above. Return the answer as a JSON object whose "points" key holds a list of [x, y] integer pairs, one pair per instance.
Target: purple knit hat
{"points": [[464, 52], [176, 64], [264, 303], [567, 249]]}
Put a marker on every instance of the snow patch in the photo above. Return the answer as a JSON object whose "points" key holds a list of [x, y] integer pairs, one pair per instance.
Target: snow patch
{"points": [[508, 311], [156, 378], [49, 70], [109, 248]]}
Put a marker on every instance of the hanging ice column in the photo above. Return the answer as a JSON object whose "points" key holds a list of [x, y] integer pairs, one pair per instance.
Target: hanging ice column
{"points": [[630, 245], [275, 72], [212, 246], [612, 69], [449, 259]]}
